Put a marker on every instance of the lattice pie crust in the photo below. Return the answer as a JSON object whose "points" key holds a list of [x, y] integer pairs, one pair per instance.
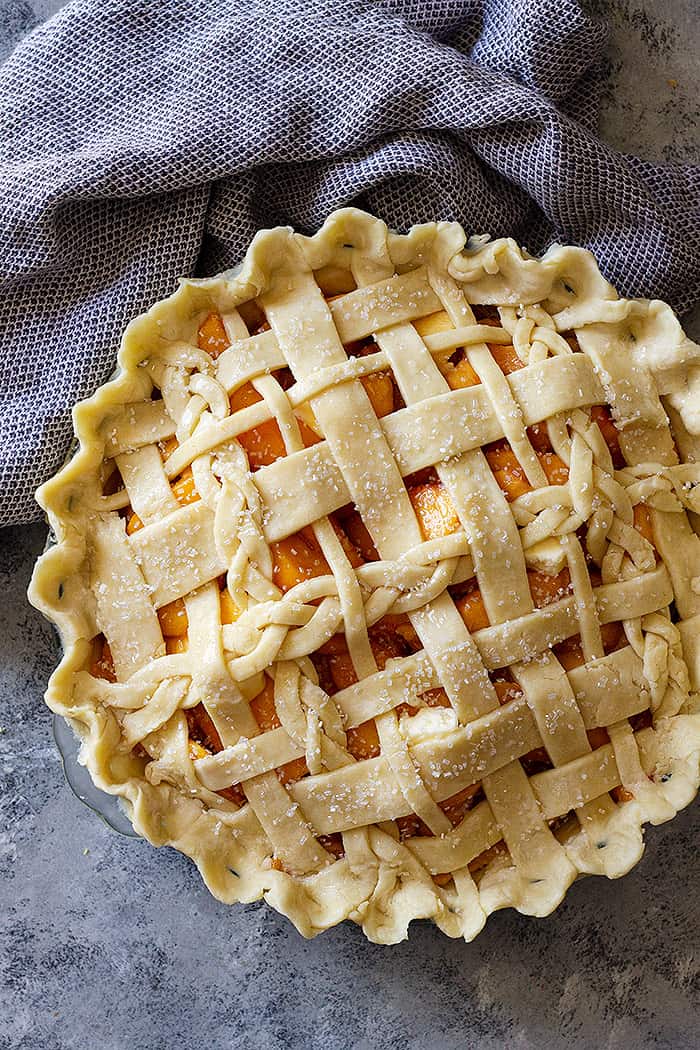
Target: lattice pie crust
{"points": [[369, 605]]}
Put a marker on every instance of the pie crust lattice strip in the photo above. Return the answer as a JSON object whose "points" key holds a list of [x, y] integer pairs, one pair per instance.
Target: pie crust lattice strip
{"points": [[378, 576]]}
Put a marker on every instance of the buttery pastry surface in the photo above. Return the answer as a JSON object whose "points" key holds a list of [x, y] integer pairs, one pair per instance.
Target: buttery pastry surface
{"points": [[378, 576]]}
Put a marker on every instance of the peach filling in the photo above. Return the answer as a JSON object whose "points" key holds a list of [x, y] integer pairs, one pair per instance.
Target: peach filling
{"points": [[299, 557]]}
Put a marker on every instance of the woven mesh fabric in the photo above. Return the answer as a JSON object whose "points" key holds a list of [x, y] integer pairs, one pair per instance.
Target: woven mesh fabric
{"points": [[143, 142]]}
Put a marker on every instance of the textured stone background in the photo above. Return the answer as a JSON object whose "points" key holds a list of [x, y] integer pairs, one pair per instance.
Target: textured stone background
{"points": [[106, 943]]}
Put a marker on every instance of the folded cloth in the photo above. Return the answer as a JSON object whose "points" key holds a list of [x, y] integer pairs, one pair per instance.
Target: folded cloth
{"points": [[147, 141]]}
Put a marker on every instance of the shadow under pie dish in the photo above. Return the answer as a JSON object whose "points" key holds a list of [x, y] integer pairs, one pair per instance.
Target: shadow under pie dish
{"points": [[377, 576]]}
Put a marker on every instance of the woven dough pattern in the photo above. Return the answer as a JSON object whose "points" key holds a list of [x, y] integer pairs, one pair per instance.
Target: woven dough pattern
{"points": [[499, 768]]}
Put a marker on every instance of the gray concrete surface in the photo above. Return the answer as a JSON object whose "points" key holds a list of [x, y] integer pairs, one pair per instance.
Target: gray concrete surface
{"points": [[106, 943]]}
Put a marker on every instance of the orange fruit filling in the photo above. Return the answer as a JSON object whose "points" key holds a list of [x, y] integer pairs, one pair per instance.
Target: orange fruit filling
{"points": [[457, 806], [173, 619], [229, 610], [184, 492], [264, 444], [363, 740], [505, 357], [602, 415], [546, 589], [539, 438], [212, 336], [204, 739], [643, 525], [379, 387], [510, 475], [435, 510], [485, 858], [570, 652], [355, 529], [462, 375], [299, 557], [472, 609], [101, 662], [263, 708], [506, 690]]}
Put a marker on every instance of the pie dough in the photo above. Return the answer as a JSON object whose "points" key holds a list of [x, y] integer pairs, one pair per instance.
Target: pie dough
{"points": [[442, 656]]}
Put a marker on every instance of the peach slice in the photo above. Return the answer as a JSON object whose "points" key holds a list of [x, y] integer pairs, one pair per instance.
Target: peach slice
{"points": [[435, 510]]}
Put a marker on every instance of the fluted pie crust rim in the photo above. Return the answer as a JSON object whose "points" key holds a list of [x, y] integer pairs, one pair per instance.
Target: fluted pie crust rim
{"points": [[554, 825]]}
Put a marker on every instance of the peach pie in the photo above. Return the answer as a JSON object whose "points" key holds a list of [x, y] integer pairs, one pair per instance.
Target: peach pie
{"points": [[377, 573]]}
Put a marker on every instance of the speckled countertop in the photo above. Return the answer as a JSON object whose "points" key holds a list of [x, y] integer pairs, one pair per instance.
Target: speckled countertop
{"points": [[107, 943]]}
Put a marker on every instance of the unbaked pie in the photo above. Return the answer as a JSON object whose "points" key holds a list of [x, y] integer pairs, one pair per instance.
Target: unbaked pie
{"points": [[378, 578]]}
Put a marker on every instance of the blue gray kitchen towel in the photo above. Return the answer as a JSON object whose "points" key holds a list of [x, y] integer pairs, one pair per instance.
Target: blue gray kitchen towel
{"points": [[143, 141]]}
